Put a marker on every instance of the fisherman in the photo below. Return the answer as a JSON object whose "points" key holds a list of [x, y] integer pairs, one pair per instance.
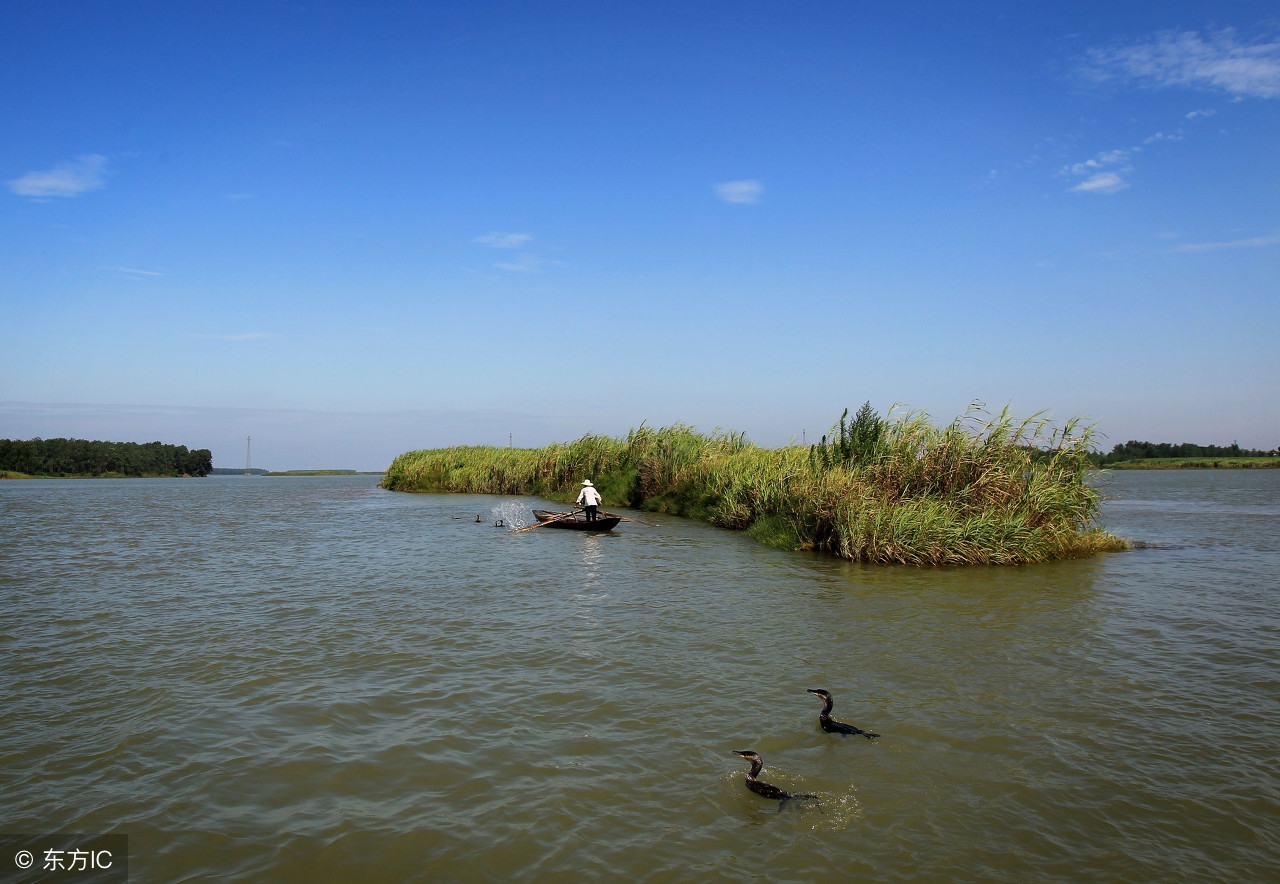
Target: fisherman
{"points": [[590, 498]]}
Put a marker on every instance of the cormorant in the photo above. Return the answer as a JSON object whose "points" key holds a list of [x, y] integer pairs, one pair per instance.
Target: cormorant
{"points": [[830, 725], [764, 790]]}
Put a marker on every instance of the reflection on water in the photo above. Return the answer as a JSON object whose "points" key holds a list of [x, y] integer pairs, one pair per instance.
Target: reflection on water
{"points": [[313, 679], [591, 593]]}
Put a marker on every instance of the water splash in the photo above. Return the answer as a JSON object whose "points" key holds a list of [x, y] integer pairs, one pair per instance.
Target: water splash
{"points": [[837, 811], [513, 513]]}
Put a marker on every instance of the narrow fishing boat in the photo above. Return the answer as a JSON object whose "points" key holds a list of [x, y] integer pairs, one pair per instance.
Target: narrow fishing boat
{"points": [[576, 523]]}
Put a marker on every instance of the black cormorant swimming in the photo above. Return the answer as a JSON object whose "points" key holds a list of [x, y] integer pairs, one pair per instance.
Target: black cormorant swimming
{"points": [[764, 790], [830, 725]]}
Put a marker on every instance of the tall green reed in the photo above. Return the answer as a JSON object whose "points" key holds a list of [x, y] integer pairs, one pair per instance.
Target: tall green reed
{"points": [[982, 489]]}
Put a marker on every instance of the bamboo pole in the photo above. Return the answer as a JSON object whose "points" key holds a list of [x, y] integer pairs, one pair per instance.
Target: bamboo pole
{"points": [[625, 519]]}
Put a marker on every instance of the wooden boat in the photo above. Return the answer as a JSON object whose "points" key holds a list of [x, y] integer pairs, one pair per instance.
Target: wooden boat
{"points": [[577, 523]]}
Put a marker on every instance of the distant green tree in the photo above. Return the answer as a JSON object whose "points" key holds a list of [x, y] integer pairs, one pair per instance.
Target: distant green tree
{"points": [[199, 462], [1135, 450], [80, 457]]}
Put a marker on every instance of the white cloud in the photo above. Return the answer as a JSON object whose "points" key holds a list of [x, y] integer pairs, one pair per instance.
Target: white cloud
{"points": [[1252, 243], [134, 272], [244, 336], [527, 263], [1104, 173], [740, 191], [1170, 58], [69, 179], [1102, 160], [524, 261], [1103, 182], [498, 240]]}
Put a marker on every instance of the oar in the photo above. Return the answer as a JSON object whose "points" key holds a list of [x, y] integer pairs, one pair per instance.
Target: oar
{"points": [[547, 522], [625, 519]]}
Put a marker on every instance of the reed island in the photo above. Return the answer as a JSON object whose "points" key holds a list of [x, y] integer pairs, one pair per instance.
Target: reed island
{"points": [[980, 490]]}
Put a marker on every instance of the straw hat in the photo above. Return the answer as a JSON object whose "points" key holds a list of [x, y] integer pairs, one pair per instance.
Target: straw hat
{"points": [[587, 482]]}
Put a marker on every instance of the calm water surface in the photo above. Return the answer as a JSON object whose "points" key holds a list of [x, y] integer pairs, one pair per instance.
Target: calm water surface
{"points": [[312, 679]]}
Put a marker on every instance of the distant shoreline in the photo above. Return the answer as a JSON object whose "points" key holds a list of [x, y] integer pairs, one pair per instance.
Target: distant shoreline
{"points": [[325, 473], [1197, 463], [11, 474], [236, 471]]}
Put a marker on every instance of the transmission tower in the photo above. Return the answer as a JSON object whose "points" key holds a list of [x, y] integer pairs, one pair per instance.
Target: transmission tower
{"points": [[248, 460]]}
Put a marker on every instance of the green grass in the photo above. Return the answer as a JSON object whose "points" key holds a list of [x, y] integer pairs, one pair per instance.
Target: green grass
{"points": [[1198, 463], [980, 490]]}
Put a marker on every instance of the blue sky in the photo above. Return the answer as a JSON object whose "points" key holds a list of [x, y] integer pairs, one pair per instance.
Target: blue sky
{"points": [[352, 230]]}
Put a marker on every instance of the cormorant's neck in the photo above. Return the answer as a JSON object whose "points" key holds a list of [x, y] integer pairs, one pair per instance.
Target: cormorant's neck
{"points": [[756, 766], [826, 706]]}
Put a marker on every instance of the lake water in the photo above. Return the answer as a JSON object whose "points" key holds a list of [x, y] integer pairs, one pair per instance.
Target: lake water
{"points": [[313, 679]]}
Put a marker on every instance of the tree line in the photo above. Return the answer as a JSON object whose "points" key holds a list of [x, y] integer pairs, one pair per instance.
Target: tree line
{"points": [[1134, 450], [80, 457]]}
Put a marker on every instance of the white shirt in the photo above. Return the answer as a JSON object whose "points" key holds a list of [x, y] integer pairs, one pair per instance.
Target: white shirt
{"points": [[589, 496]]}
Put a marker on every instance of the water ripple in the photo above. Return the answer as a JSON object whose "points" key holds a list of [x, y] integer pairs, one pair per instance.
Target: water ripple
{"points": [[313, 679]]}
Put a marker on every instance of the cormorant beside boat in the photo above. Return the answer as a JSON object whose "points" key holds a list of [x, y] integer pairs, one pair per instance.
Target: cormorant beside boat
{"points": [[830, 725]]}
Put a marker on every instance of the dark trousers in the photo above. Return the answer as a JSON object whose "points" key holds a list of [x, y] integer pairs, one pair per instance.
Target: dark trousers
{"points": [[591, 512]]}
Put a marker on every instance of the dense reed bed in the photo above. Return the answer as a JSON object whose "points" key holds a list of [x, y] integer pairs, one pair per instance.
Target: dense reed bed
{"points": [[979, 490]]}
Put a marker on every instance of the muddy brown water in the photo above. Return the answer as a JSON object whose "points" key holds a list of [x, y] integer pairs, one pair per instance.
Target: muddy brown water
{"points": [[313, 679]]}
